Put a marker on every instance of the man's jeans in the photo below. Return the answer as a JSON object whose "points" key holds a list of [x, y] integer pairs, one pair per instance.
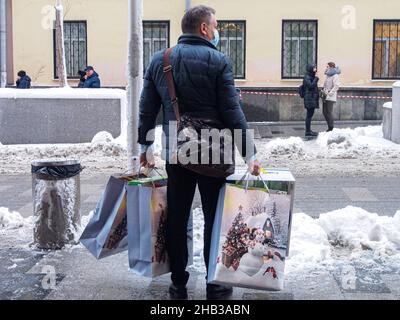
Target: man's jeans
{"points": [[181, 189]]}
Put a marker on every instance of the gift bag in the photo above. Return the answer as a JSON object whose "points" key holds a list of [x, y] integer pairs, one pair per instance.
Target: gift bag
{"points": [[106, 233], [147, 214], [251, 233]]}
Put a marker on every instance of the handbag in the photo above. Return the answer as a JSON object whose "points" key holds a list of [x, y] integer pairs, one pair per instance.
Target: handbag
{"points": [[323, 95], [190, 137]]}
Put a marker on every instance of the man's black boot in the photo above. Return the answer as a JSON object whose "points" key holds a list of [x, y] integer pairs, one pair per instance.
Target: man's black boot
{"points": [[178, 292], [218, 292]]}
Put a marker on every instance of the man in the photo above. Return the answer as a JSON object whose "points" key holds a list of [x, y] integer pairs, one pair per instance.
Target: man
{"points": [[92, 78], [331, 88], [82, 78], [23, 81], [205, 84]]}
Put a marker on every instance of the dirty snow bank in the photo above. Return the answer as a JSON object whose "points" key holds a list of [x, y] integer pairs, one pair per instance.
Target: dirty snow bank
{"points": [[359, 233], [319, 243], [340, 144]]}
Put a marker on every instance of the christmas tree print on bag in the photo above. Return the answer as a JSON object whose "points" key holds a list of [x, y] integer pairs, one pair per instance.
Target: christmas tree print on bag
{"points": [[251, 234]]}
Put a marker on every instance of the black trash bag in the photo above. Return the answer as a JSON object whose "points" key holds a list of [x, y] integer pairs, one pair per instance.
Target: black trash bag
{"points": [[57, 172]]}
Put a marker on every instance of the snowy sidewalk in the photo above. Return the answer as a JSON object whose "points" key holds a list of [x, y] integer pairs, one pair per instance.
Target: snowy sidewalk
{"points": [[313, 195], [346, 252], [27, 274]]}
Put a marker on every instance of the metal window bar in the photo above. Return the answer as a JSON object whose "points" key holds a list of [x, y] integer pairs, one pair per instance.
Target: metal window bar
{"points": [[291, 50], [293, 61], [397, 51], [71, 52], [236, 52], [382, 61], [157, 40], [382, 51], [226, 28], [73, 61]]}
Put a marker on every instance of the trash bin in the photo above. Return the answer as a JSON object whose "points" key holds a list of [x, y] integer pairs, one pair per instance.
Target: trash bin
{"points": [[56, 203]]}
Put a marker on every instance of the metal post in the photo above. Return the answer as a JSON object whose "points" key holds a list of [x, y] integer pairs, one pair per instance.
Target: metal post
{"points": [[3, 44], [135, 81], [188, 4]]}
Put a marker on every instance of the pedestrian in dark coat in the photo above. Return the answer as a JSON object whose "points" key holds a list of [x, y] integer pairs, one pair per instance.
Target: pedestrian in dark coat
{"points": [[205, 87], [311, 97], [92, 79], [24, 81]]}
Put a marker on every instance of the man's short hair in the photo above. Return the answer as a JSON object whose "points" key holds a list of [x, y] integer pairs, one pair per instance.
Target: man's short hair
{"points": [[195, 16], [21, 73]]}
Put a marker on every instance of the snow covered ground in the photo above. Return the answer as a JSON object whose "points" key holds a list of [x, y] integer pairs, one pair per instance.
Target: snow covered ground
{"points": [[316, 244], [341, 152]]}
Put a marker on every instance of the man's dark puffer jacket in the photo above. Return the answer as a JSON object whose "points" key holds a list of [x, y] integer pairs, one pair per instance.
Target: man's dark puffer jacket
{"points": [[205, 87]]}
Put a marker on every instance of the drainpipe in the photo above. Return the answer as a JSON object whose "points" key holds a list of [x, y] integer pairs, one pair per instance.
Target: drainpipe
{"points": [[3, 42], [188, 4], [9, 45]]}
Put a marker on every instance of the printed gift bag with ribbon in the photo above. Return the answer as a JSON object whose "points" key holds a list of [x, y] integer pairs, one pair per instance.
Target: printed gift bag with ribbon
{"points": [[147, 214], [251, 233], [106, 233]]}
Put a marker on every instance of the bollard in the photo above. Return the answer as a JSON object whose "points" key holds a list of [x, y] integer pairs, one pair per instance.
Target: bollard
{"points": [[395, 137]]}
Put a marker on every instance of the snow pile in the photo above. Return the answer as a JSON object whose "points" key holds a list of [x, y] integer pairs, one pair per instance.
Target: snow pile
{"points": [[358, 229], [354, 143], [318, 243], [18, 158], [361, 234], [102, 137], [309, 244], [292, 147], [104, 143], [10, 220]]}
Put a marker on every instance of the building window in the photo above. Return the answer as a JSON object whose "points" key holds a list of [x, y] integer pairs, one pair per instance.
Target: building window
{"points": [[75, 44], [299, 47], [233, 44], [386, 55], [155, 38]]}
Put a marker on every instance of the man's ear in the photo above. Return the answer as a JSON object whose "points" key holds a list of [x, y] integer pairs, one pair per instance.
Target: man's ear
{"points": [[203, 29]]}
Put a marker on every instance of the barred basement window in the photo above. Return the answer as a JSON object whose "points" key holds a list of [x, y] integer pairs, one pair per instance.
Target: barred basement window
{"points": [[386, 54], [233, 44], [75, 43], [155, 38], [299, 47]]}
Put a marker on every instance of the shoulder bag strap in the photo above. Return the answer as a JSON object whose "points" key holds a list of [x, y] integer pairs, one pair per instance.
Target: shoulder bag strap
{"points": [[170, 83]]}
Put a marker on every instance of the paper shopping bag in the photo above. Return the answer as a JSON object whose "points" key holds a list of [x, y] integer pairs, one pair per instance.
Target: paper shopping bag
{"points": [[251, 233]]}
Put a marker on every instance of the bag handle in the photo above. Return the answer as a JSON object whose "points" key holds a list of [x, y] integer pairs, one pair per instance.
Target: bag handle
{"points": [[170, 83]]}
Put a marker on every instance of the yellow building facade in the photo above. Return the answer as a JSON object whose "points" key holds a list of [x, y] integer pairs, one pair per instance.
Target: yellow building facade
{"points": [[270, 41]]}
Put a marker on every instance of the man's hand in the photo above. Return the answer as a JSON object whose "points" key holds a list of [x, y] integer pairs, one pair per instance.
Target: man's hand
{"points": [[255, 168], [147, 159]]}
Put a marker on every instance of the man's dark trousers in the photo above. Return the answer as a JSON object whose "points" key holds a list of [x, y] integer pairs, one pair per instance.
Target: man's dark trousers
{"points": [[181, 189]]}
